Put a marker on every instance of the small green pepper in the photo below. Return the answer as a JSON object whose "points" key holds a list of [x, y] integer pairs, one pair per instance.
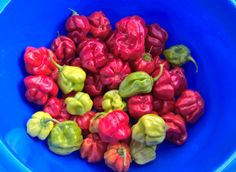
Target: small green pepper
{"points": [[65, 138], [40, 125], [178, 55], [149, 130], [137, 83], [142, 154], [112, 101], [71, 78], [79, 104]]}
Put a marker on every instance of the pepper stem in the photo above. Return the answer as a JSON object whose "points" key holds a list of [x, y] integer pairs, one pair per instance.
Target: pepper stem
{"points": [[147, 56], [194, 62], [51, 119], [59, 67], [73, 11], [122, 152], [124, 157], [160, 73]]}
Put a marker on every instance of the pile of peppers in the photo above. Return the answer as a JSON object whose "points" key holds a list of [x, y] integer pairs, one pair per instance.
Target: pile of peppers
{"points": [[112, 95]]}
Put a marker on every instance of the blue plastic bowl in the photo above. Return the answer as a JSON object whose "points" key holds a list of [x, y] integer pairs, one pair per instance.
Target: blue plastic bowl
{"points": [[207, 27]]}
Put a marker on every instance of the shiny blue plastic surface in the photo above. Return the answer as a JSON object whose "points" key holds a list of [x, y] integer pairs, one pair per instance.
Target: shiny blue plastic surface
{"points": [[207, 27]]}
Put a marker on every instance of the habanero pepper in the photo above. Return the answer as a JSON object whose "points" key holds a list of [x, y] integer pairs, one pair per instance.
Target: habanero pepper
{"points": [[84, 121], [97, 103], [159, 61], [93, 85], [163, 106], [93, 127]]}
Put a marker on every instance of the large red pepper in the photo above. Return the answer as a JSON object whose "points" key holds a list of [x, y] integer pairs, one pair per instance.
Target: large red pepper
{"points": [[93, 85], [57, 109], [190, 105], [140, 105], [176, 132], [84, 121], [156, 39], [37, 61], [100, 26], [64, 49], [114, 72], [163, 106], [40, 88], [93, 54], [93, 148], [97, 103], [114, 127]]}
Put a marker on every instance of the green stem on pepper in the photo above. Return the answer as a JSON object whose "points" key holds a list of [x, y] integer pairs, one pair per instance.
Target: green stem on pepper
{"points": [[59, 67], [194, 62], [159, 74], [73, 11], [147, 56]]}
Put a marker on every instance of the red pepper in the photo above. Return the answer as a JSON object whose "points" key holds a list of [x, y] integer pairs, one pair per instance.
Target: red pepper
{"points": [[93, 55], [40, 88], [76, 62], [57, 109], [176, 132], [71, 94], [163, 106], [118, 157], [78, 27], [93, 85], [64, 49], [178, 80], [84, 121], [97, 103], [163, 88], [190, 105], [93, 148], [37, 61], [114, 72], [140, 105], [156, 38], [114, 127], [100, 26], [159, 61]]}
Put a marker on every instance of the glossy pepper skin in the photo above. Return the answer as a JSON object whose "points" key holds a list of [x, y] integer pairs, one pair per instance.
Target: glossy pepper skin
{"points": [[137, 83], [40, 88], [57, 109], [140, 105], [79, 104], [163, 106], [39, 125], [93, 55], [159, 61], [149, 130], [84, 121], [114, 127], [37, 61], [78, 27], [93, 85], [76, 62], [100, 26], [112, 101], [93, 127], [71, 78], [190, 105], [97, 103], [93, 148], [176, 132], [64, 48], [141, 153], [118, 157], [113, 73], [65, 138], [156, 39], [178, 55]]}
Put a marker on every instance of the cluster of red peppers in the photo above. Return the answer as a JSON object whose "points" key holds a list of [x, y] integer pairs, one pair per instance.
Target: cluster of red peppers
{"points": [[106, 78]]}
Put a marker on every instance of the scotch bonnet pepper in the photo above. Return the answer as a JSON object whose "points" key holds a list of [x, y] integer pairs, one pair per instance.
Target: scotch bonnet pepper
{"points": [[79, 104], [149, 130], [163, 106], [65, 138], [114, 127], [94, 121], [40, 88], [93, 85], [84, 121], [97, 103]]}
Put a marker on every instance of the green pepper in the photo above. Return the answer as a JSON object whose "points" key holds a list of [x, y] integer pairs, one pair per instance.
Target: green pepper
{"points": [[65, 138], [112, 101], [79, 104], [142, 154], [178, 55], [40, 125], [149, 130], [137, 83], [71, 78]]}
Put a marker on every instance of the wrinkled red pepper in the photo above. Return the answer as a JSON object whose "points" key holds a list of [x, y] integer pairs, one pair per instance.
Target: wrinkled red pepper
{"points": [[40, 88], [140, 105], [93, 148], [93, 85], [100, 26], [114, 127], [64, 48], [93, 54], [176, 132], [84, 121], [163, 106], [113, 73], [190, 105], [97, 103], [156, 39], [76, 62], [57, 109]]}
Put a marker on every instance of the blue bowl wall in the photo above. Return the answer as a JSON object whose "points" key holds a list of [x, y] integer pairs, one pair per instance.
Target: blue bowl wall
{"points": [[208, 28]]}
